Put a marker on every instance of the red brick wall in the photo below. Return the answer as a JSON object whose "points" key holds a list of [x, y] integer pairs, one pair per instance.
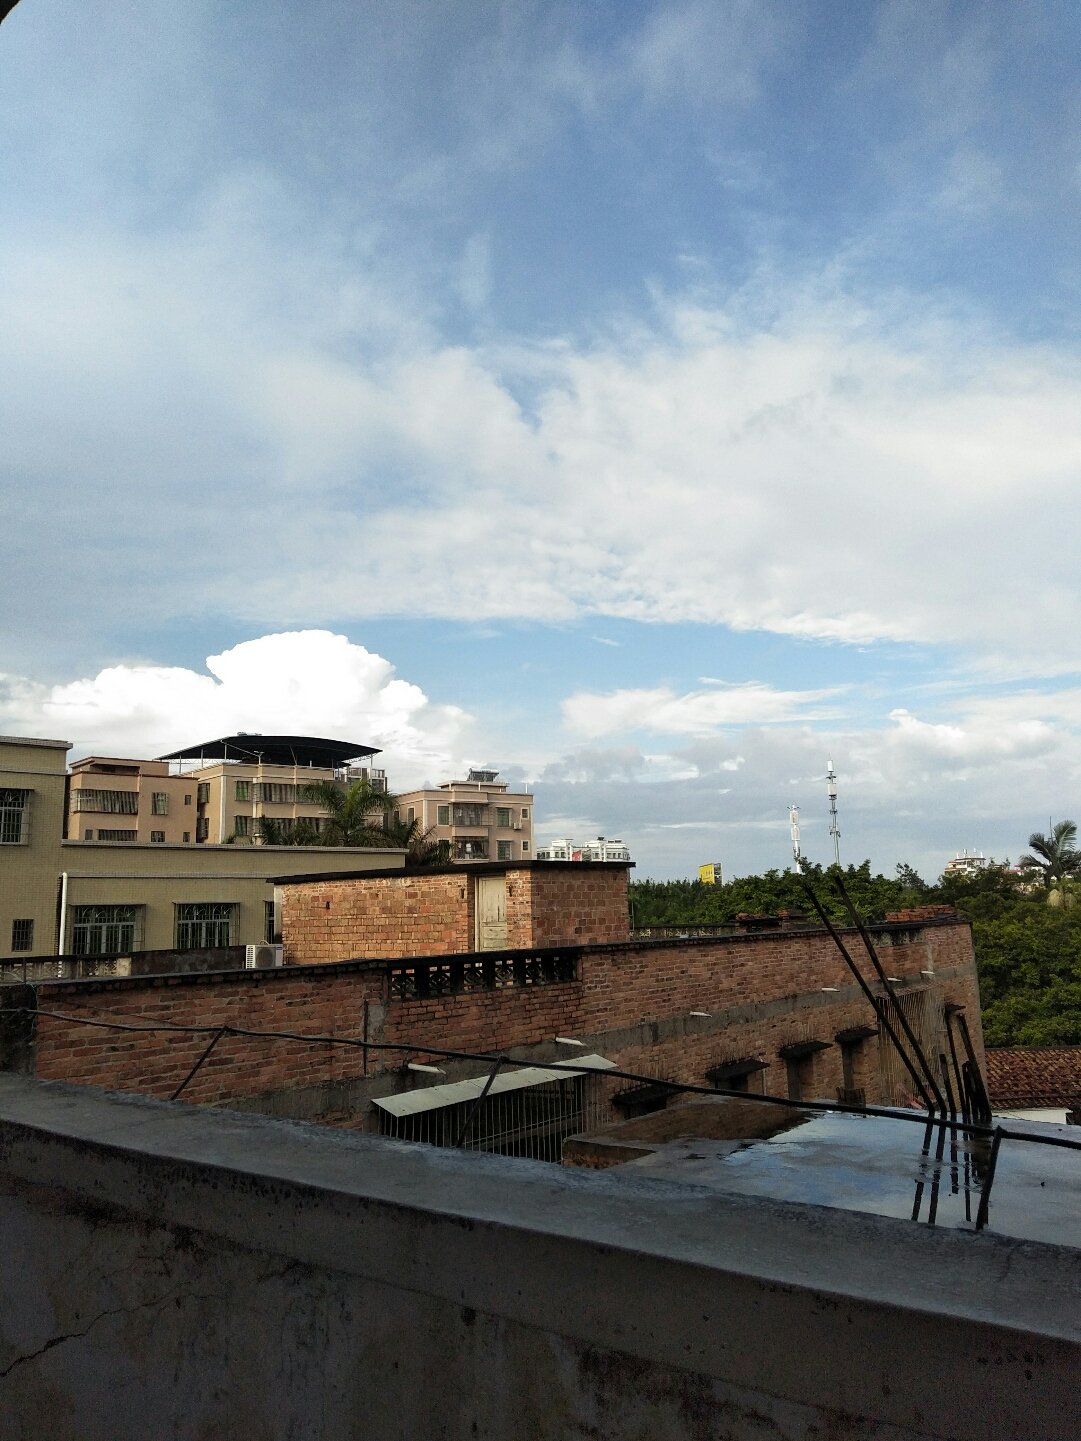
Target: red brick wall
{"points": [[632, 1001], [432, 913], [383, 916]]}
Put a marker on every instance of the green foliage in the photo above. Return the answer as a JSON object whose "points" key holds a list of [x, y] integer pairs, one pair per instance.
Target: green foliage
{"points": [[1028, 953]]}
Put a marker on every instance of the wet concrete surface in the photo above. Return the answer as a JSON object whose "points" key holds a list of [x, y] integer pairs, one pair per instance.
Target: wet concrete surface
{"points": [[878, 1166]]}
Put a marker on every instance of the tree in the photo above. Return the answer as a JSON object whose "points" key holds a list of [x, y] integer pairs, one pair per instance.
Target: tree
{"points": [[1056, 855], [421, 848], [356, 815]]}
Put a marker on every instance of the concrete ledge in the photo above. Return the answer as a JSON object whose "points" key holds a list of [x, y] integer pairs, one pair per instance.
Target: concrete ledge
{"points": [[442, 1285]]}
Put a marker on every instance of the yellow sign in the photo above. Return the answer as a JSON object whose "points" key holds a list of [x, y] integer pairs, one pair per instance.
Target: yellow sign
{"points": [[710, 875]]}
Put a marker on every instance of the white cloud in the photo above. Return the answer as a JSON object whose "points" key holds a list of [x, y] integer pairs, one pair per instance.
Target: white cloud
{"points": [[299, 683], [661, 711]]}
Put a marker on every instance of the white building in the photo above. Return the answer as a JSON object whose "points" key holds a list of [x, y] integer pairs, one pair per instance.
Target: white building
{"points": [[601, 849]]}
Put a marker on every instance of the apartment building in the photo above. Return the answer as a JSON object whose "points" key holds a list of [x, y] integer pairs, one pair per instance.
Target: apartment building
{"points": [[125, 800], [479, 817], [238, 781], [600, 849], [64, 891]]}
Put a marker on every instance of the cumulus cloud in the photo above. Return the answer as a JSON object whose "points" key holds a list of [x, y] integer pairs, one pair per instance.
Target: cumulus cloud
{"points": [[299, 682]]}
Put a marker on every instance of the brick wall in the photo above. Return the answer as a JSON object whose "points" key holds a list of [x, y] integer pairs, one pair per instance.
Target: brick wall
{"points": [[385, 916], [633, 1002], [432, 912], [1034, 1077]]}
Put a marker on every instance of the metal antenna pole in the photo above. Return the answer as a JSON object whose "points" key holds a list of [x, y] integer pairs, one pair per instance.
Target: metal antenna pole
{"points": [[797, 854], [831, 791]]}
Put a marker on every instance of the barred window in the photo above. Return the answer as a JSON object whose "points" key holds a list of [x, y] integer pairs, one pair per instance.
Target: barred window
{"points": [[159, 804], [202, 829], [118, 835], [103, 930], [22, 935], [442, 815], [116, 803], [505, 850], [13, 817], [242, 791], [502, 815], [275, 792], [157, 838], [203, 923], [242, 825], [470, 815]]}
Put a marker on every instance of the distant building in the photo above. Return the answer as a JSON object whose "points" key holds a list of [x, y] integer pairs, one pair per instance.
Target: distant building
{"points": [[710, 874], [479, 817], [601, 849], [966, 863]]}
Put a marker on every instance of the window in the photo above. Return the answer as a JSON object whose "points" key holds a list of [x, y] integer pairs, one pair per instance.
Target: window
{"points": [[469, 815], [118, 835], [525, 813], [242, 825], [13, 806], [504, 850], [88, 835], [473, 848], [275, 792], [411, 814], [157, 838], [442, 815], [187, 837], [502, 815], [159, 803], [187, 800], [202, 829], [203, 792], [242, 791], [102, 930], [270, 924], [22, 935], [525, 848], [115, 803], [203, 923]]}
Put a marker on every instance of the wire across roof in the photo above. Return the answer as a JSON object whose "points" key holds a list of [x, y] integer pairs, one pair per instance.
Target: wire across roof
{"points": [[274, 750]]}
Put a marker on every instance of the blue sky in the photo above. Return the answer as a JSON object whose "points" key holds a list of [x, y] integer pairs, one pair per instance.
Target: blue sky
{"points": [[650, 400]]}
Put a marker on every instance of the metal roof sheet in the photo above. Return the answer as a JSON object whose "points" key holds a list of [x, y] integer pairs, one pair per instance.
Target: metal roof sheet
{"points": [[454, 1093]]}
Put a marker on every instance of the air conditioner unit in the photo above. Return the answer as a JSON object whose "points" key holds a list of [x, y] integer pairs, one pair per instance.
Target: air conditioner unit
{"points": [[516, 825], [263, 957]]}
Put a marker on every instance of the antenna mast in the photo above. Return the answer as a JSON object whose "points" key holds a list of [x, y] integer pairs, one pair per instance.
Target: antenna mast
{"points": [[831, 791], [797, 855]]}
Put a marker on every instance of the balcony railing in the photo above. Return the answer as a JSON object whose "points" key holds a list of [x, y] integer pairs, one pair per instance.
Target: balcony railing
{"points": [[411, 980]]}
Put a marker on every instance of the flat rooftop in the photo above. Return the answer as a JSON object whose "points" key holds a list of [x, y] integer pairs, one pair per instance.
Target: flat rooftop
{"points": [[878, 1166]]}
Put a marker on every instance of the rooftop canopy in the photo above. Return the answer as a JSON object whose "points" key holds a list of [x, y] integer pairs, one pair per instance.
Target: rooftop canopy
{"points": [[274, 750]]}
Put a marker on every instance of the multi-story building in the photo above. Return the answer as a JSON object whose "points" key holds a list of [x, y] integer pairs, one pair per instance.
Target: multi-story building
{"points": [[601, 849], [966, 863], [115, 799], [479, 817], [240, 780], [79, 894]]}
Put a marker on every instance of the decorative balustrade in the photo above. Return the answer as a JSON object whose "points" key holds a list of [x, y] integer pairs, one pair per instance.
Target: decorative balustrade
{"points": [[420, 979]]}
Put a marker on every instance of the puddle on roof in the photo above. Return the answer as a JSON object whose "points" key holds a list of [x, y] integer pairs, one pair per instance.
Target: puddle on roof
{"points": [[877, 1165]]}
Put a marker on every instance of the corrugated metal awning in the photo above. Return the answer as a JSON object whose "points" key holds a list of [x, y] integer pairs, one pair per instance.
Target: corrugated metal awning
{"points": [[430, 1098]]}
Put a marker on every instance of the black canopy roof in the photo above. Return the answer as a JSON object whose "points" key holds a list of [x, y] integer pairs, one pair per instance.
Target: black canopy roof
{"points": [[274, 750]]}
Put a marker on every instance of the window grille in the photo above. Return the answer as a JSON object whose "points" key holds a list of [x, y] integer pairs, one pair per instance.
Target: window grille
{"points": [[275, 792], [159, 803], [467, 815], [242, 825], [117, 803], [22, 935], [111, 835], [157, 838], [502, 815], [102, 930], [243, 791], [505, 850], [202, 829], [201, 924], [13, 816], [442, 815]]}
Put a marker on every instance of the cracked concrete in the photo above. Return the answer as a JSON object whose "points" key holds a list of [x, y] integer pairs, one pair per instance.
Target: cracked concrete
{"points": [[183, 1274]]}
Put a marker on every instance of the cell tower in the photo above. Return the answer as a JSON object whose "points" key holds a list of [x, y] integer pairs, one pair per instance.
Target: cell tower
{"points": [[797, 855], [831, 791]]}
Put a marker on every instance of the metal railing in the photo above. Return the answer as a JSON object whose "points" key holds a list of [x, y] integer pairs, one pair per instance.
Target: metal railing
{"points": [[413, 979]]}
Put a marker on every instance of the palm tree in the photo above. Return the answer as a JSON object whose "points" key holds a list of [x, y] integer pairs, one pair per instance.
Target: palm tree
{"points": [[1056, 855], [357, 815], [421, 848]]}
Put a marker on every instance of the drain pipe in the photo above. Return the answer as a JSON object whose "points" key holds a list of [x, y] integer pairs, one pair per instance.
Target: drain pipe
{"points": [[63, 912]]}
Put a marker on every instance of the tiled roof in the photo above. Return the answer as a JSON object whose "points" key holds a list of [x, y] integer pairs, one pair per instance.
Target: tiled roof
{"points": [[1026, 1077]]}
